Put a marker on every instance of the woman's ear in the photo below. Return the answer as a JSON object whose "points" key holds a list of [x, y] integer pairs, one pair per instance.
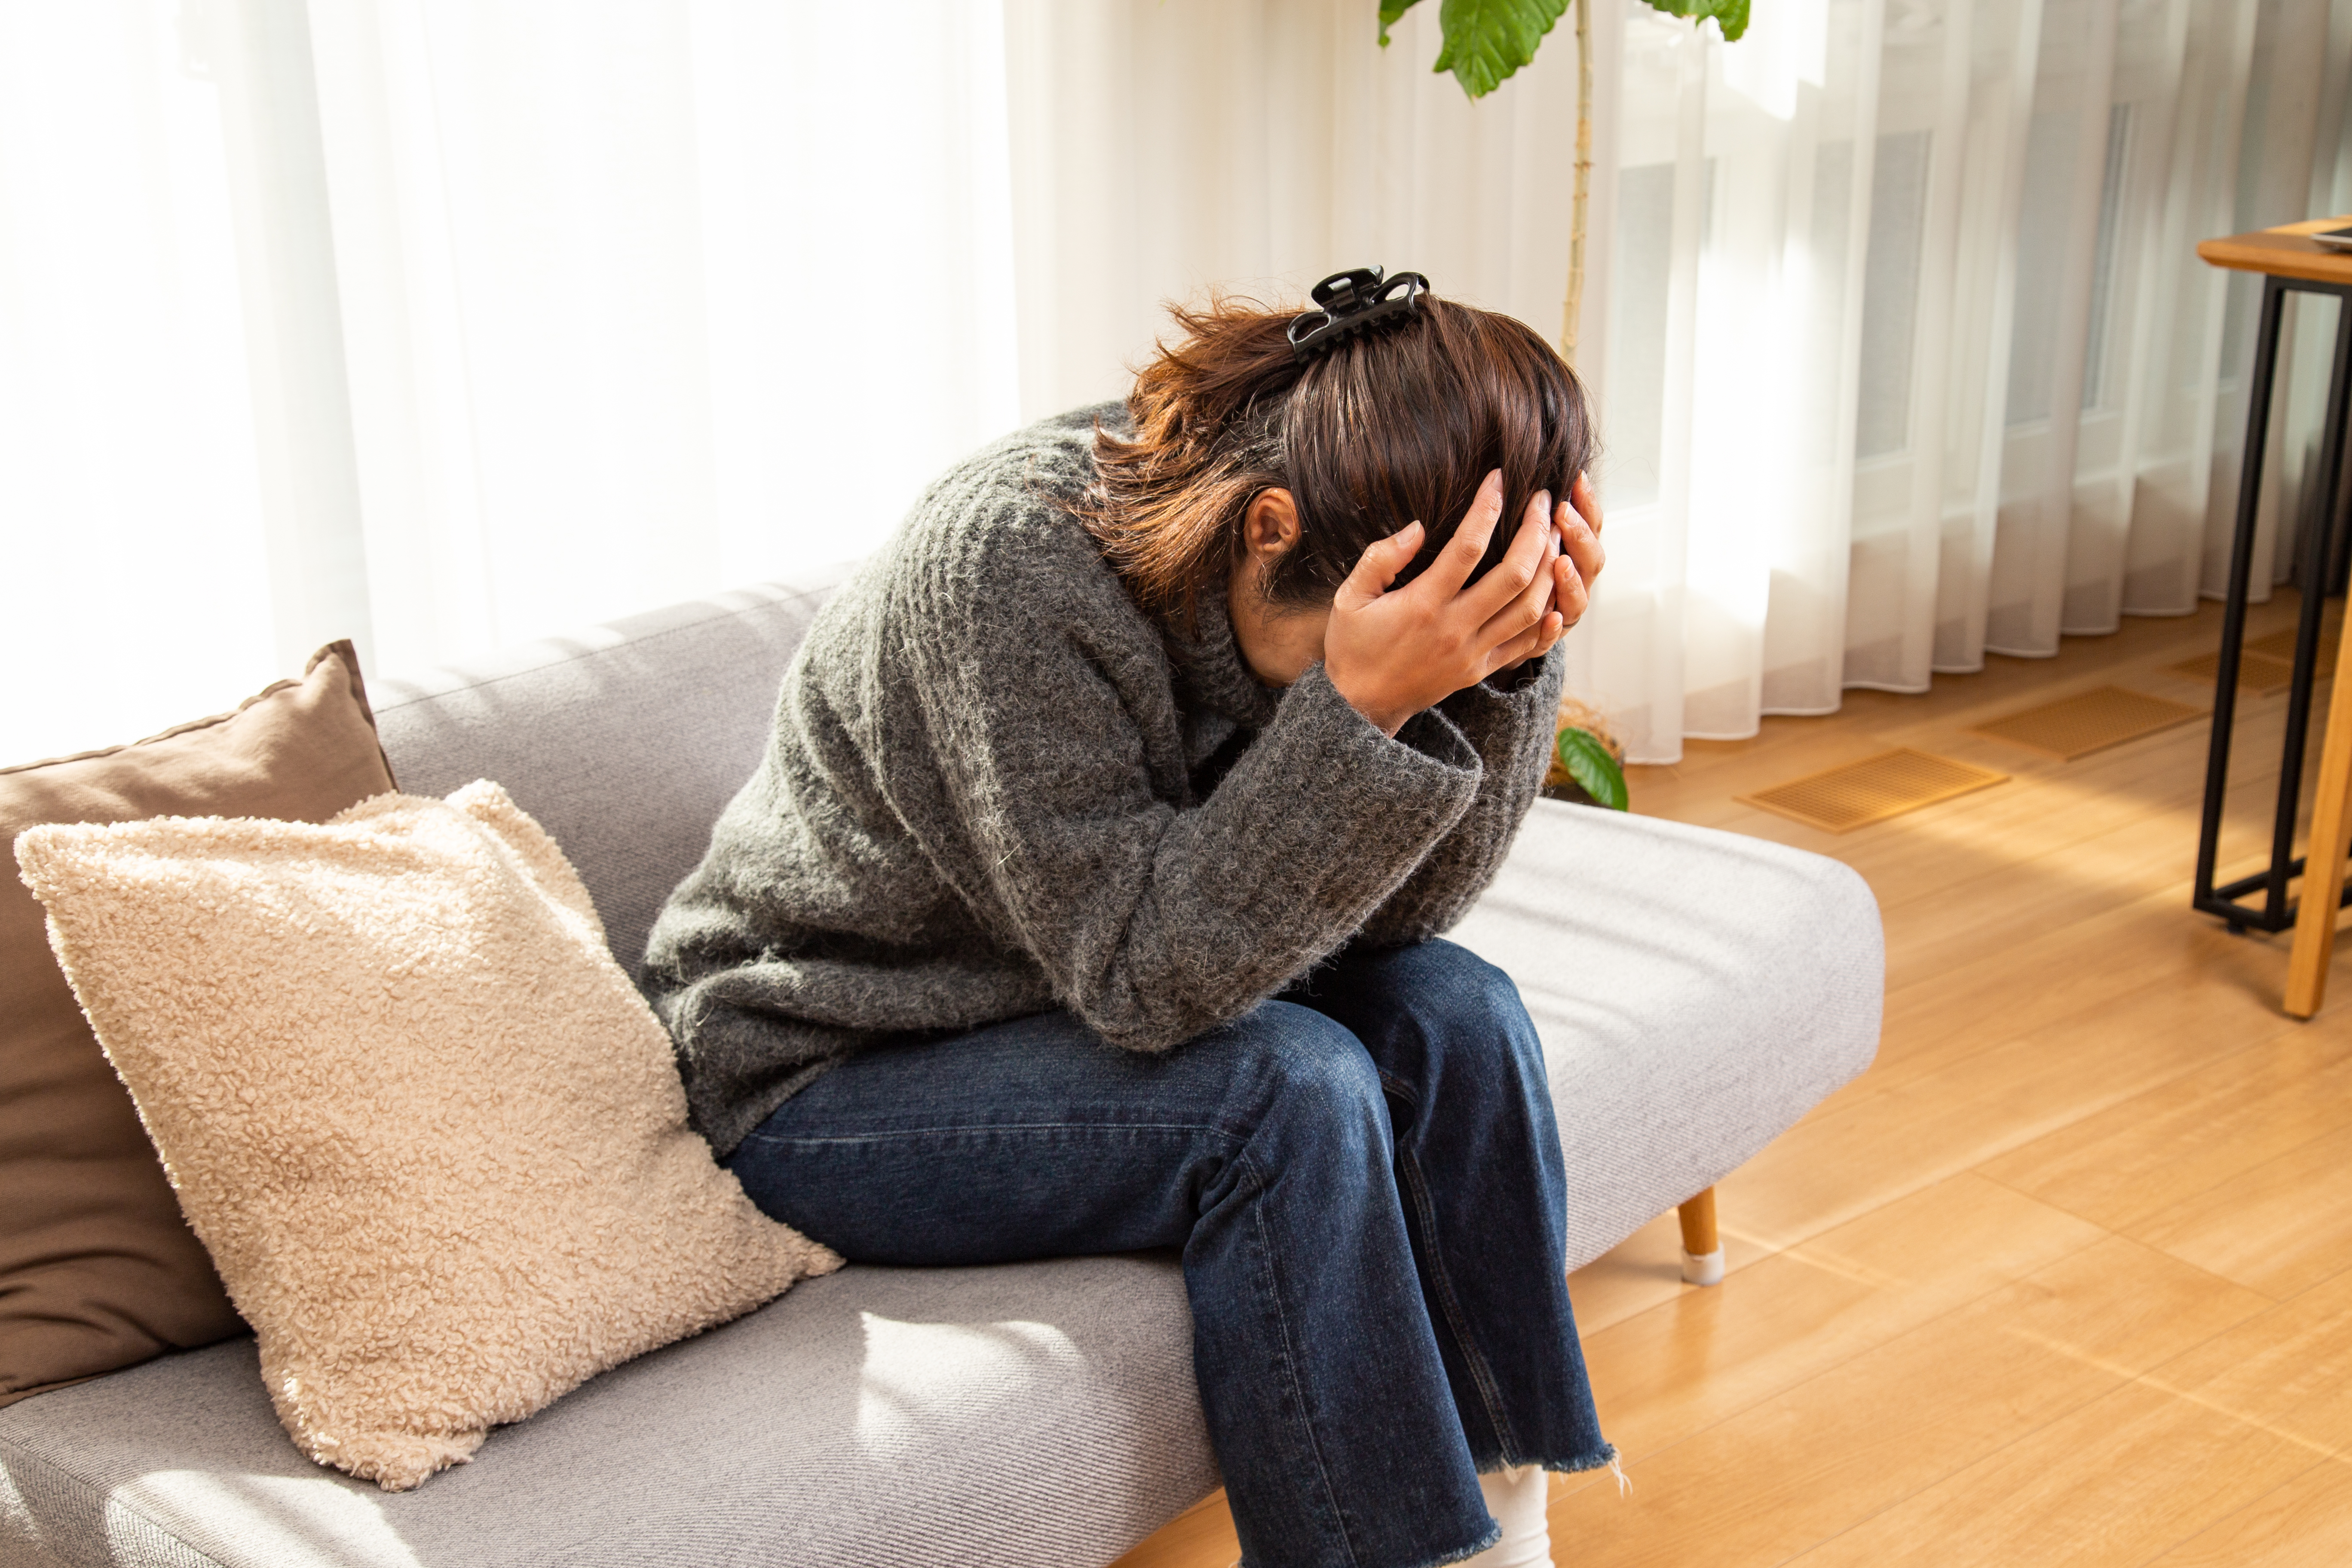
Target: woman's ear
{"points": [[1270, 526]]}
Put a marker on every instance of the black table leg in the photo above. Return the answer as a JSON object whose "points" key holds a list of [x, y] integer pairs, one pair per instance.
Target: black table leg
{"points": [[2315, 559], [2233, 605], [2310, 575]]}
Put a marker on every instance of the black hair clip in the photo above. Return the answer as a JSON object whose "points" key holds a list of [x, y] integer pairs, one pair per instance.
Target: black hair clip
{"points": [[1349, 302]]}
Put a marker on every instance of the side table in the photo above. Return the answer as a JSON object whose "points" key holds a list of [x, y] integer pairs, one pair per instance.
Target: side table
{"points": [[2289, 262]]}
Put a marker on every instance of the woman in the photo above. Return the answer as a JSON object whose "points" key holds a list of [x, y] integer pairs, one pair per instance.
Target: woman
{"points": [[1088, 899]]}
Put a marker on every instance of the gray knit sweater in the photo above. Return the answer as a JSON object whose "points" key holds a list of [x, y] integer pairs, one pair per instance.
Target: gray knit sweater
{"points": [[995, 786]]}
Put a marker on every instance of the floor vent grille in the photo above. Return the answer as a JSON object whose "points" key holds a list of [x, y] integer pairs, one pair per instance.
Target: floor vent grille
{"points": [[2089, 722], [2256, 671], [2279, 646], [2265, 664], [1839, 799]]}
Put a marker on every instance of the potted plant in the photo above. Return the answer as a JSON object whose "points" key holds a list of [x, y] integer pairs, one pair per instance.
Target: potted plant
{"points": [[1588, 761]]}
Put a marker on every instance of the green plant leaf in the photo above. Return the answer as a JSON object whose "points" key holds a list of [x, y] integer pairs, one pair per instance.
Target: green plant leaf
{"points": [[1488, 40], [1588, 761], [1731, 16]]}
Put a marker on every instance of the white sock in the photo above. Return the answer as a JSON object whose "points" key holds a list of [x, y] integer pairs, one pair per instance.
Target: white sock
{"points": [[1517, 1498]]}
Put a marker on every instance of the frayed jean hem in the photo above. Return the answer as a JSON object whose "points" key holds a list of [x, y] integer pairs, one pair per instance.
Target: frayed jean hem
{"points": [[1606, 1460], [1490, 1539]]}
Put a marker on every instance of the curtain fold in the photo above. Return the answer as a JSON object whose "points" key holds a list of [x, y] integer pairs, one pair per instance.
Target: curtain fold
{"points": [[645, 301], [132, 545], [440, 323]]}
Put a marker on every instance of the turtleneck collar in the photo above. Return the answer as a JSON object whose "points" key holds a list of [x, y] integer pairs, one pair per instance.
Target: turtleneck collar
{"points": [[1210, 670]]}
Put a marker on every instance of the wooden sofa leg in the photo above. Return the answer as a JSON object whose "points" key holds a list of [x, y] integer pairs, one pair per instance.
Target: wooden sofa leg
{"points": [[1702, 1247]]}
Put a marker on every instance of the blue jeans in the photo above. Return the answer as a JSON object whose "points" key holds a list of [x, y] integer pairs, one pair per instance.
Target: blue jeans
{"points": [[1363, 1177]]}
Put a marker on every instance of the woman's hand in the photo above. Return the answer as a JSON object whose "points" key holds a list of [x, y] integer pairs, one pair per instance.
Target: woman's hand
{"points": [[1577, 559], [1392, 655]]}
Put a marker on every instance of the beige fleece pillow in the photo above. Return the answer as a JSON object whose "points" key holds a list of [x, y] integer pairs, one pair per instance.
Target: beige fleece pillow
{"points": [[432, 1136]]}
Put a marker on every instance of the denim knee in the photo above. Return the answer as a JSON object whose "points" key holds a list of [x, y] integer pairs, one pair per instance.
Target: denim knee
{"points": [[1295, 1064], [1458, 998], [1450, 974]]}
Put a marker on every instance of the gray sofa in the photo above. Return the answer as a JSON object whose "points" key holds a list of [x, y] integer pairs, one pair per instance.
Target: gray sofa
{"points": [[1697, 993]]}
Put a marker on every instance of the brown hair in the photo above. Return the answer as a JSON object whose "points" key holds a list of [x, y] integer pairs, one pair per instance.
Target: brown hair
{"points": [[1398, 424]]}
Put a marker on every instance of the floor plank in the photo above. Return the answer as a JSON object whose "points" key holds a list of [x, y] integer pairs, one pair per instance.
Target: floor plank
{"points": [[2278, 1227], [1708, 1354], [1200, 1537], [1779, 1476], [2132, 950], [2187, 1137], [2289, 1369], [2307, 1523], [1854, 1153], [2107, 1485]]}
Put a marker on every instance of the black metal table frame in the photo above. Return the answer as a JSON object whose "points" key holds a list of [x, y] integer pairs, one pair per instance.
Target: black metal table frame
{"points": [[2312, 563]]}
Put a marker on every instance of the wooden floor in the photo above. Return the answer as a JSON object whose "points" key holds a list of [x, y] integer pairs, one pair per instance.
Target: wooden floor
{"points": [[2066, 1277]]}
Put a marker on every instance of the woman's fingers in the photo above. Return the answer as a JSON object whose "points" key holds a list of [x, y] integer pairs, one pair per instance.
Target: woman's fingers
{"points": [[1587, 506], [1462, 552], [1377, 566], [1522, 572], [1532, 643], [1555, 627], [1571, 598], [1535, 551], [1581, 539]]}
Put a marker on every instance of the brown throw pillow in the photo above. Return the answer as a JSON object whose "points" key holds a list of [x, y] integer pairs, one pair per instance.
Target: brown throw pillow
{"points": [[429, 1130], [97, 1269]]}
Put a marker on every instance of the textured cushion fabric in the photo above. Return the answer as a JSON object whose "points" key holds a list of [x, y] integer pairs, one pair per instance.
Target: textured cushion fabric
{"points": [[1696, 993], [1035, 1415], [624, 742], [427, 1129], [98, 1271]]}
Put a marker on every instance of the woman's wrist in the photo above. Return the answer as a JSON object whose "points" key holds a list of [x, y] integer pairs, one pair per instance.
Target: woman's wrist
{"points": [[1386, 716], [1388, 722]]}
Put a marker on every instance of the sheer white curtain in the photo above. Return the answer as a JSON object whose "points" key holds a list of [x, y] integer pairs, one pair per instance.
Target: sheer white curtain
{"points": [[1727, 334], [1893, 316], [441, 323], [445, 322], [2054, 382], [646, 300], [132, 553]]}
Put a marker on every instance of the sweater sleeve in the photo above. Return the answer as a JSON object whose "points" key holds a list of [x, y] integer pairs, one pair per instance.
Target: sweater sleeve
{"points": [[1155, 922], [1510, 726]]}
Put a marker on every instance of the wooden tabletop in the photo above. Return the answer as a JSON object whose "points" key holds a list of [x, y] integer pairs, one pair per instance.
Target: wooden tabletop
{"points": [[2283, 252]]}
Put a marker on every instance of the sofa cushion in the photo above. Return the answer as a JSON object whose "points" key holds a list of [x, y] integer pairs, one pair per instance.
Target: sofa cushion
{"points": [[97, 1269], [428, 1130]]}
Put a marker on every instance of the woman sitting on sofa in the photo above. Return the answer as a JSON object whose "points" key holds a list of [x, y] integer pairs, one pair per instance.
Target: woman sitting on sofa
{"points": [[1088, 899]]}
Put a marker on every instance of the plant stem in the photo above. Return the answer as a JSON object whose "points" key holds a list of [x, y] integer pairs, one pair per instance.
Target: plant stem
{"points": [[1582, 199]]}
